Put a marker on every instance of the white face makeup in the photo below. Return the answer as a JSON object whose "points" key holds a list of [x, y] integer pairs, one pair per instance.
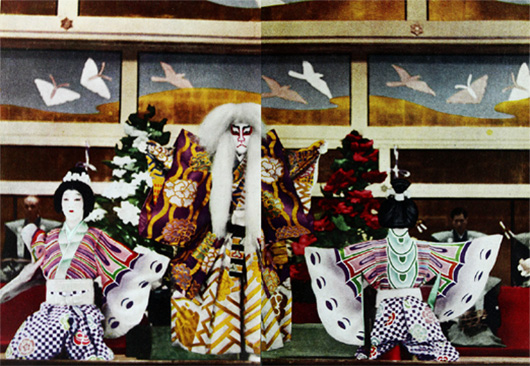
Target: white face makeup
{"points": [[241, 133], [72, 203]]}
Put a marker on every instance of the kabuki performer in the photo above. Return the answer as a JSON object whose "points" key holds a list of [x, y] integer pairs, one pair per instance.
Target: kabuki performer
{"points": [[397, 267], [72, 258], [229, 201]]}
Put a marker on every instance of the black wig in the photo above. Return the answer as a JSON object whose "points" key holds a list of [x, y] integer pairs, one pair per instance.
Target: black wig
{"points": [[77, 185], [398, 213]]}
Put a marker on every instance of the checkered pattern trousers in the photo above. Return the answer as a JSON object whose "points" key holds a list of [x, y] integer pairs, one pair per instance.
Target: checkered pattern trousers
{"points": [[55, 330], [411, 322]]}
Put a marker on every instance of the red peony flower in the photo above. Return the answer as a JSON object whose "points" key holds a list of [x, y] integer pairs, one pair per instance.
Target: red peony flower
{"points": [[366, 145], [324, 224], [342, 208], [329, 188], [359, 196], [361, 145], [353, 136], [374, 176], [302, 243], [371, 220], [299, 272], [372, 206], [373, 156], [340, 180], [359, 157]]}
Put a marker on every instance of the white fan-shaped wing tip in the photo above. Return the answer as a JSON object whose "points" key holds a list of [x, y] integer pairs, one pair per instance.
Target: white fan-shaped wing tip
{"points": [[337, 307], [472, 94], [524, 69], [90, 69], [45, 90], [91, 79], [522, 81], [61, 96]]}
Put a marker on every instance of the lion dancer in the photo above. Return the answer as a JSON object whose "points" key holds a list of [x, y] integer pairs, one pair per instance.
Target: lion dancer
{"points": [[229, 201]]}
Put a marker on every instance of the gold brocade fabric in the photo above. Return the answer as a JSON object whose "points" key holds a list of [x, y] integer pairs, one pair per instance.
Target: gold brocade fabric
{"points": [[210, 323], [223, 294]]}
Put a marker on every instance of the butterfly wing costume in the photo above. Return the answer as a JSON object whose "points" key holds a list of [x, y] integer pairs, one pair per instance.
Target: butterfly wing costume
{"points": [[395, 266], [74, 260], [69, 319]]}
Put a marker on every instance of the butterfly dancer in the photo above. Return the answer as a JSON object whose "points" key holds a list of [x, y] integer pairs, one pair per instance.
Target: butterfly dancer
{"points": [[71, 258], [397, 267]]}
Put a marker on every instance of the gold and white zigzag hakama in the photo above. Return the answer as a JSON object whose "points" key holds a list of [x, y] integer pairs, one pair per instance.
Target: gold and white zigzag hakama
{"points": [[276, 317], [211, 323]]}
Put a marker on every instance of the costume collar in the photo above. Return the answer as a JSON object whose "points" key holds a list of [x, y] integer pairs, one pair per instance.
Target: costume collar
{"points": [[75, 234], [404, 236], [399, 244]]}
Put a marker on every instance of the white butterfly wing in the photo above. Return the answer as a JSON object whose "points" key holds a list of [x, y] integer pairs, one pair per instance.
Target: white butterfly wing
{"points": [[45, 90], [90, 69], [518, 94], [523, 80], [464, 97], [479, 87], [471, 277], [94, 84], [339, 310], [61, 96]]}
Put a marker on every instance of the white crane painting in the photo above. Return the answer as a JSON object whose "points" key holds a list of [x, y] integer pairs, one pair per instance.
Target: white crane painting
{"points": [[313, 78]]}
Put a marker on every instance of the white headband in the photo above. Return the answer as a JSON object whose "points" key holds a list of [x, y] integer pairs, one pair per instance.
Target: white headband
{"points": [[399, 196], [81, 177]]}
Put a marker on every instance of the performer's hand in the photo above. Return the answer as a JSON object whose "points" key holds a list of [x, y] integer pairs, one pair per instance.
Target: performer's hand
{"points": [[323, 148], [27, 234], [21, 282], [524, 267]]}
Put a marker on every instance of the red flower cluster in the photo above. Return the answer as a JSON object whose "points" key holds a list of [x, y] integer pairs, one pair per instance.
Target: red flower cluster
{"points": [[353, 137], [343, 209], [349, 209], [303, 241], [369, 214], [361, 157], [340, 180], [363, 197], [324, 224], [359, 145], [299, 272]]}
